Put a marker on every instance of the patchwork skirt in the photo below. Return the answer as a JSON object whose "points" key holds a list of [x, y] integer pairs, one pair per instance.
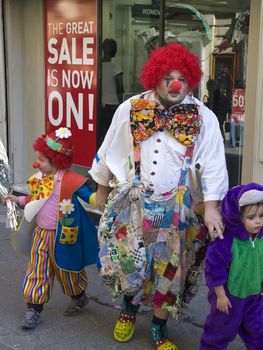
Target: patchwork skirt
{"points": [[152, 247]]}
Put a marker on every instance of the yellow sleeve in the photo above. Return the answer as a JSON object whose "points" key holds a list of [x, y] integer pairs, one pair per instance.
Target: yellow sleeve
{"points": [[92, 199]]}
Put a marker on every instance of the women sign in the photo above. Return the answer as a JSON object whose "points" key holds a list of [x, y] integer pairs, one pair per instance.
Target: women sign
{"points": [[70, 72]]}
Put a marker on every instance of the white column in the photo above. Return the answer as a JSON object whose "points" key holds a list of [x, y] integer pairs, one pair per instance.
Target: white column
{"points": [[3, 130], [25, 82], [252, 167]]}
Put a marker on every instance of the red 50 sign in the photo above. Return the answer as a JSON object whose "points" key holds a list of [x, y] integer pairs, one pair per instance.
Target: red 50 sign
{"points": [[238, 100]]}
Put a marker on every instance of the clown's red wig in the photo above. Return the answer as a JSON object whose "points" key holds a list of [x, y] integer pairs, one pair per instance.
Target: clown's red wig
{"points": [[172, 56], [58, 159]]}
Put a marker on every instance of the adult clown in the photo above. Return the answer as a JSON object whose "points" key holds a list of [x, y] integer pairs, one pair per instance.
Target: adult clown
{"points": [[163, 157]]}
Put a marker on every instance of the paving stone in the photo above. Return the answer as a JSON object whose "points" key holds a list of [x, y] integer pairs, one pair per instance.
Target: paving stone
{"points": [[91, 330]]}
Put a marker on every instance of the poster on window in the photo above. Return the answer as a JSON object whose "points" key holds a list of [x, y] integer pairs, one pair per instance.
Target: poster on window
{"points": [[70, 73], [238, 106]]}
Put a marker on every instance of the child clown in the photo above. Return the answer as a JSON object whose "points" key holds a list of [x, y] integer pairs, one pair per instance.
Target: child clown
{"points": [[64, 238]]}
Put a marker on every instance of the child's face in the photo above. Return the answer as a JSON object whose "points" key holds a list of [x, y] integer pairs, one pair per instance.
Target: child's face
{"points": [[253, 218], [45, 165]]}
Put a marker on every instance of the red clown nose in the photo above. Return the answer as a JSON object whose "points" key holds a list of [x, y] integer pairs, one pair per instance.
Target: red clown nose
{"points": [[35, 165], [176, 86]]}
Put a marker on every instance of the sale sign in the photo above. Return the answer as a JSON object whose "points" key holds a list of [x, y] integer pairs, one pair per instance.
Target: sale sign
{"points": [[70, 73], [238, 106], [238, 101]]}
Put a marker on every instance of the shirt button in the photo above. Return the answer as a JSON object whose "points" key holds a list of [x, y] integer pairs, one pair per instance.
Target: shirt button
{"points": [[156, 151], [154, 162], [158, 140], [152, 173]]}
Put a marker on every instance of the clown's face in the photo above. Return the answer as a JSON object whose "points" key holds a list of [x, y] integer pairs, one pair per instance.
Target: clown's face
{"points": [[45, 166], [166, 95]]}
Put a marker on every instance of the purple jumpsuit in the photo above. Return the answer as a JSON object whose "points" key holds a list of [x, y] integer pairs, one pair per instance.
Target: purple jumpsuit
{"points": [[237, 263]]}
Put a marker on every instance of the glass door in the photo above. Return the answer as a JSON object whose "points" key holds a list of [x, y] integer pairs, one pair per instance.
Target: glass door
{"points": [[216, 31], [132, 30]]}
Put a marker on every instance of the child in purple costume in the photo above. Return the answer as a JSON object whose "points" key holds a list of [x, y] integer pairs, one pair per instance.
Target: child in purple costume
{"points": [[234, 273]]}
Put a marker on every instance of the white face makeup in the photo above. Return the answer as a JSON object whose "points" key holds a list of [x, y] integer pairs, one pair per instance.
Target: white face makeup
{"points": [[166, 95], [45, 165]]}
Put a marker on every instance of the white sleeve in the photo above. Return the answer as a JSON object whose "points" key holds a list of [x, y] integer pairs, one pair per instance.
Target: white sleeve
{"points": [[211, 158], [115, 156]]}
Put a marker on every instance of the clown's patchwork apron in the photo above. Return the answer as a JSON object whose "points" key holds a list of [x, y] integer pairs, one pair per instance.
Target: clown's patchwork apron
{"points": [[148, 243]]}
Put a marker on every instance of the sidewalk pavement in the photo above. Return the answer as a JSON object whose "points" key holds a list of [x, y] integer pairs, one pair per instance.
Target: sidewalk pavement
{"points": [[91, 330]]}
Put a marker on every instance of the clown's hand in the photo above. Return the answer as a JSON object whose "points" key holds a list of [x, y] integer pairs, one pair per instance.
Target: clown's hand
{"points": [[213, 219], [101, 196]]}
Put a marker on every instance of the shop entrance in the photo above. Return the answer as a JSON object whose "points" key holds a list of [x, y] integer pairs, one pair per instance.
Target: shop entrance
{"points": [[216, 31]]}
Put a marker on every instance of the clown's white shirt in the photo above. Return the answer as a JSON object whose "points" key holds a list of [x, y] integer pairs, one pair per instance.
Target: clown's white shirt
{"points": [[161, 156]]}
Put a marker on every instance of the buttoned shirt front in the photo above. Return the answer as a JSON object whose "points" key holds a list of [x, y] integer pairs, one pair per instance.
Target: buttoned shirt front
{"points": [[161, 156]]}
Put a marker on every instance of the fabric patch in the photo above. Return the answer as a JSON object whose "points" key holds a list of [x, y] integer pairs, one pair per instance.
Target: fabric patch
{"points": [[190, 236], [134, 279], [147, 225], [170, 271], [68, 235], [160, 267], [167, 219], [97, 157], [163, 284], [121, 233], [136, 154], [170, 298], [175, 259], [157, 220], [150, 237], [148, 287], [158, 250], [175, 220], [136, 256], [127, 264], [114, 254], [158, 299], [162, 235], [166, 253], [135, 242], [130, 163]]}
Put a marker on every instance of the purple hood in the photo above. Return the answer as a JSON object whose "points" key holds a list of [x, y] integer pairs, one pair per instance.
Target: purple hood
{"points": [[231, 212]]}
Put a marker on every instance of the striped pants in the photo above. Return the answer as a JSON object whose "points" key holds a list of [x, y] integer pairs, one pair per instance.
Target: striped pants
{"points": [[42, 269]]}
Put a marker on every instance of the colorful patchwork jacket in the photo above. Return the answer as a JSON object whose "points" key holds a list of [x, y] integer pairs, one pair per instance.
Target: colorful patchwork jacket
{"points": [[76, 242]]}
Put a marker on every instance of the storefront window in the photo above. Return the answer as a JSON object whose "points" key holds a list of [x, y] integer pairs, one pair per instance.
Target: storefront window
{"points": [[129, 31], [217, 31]]}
